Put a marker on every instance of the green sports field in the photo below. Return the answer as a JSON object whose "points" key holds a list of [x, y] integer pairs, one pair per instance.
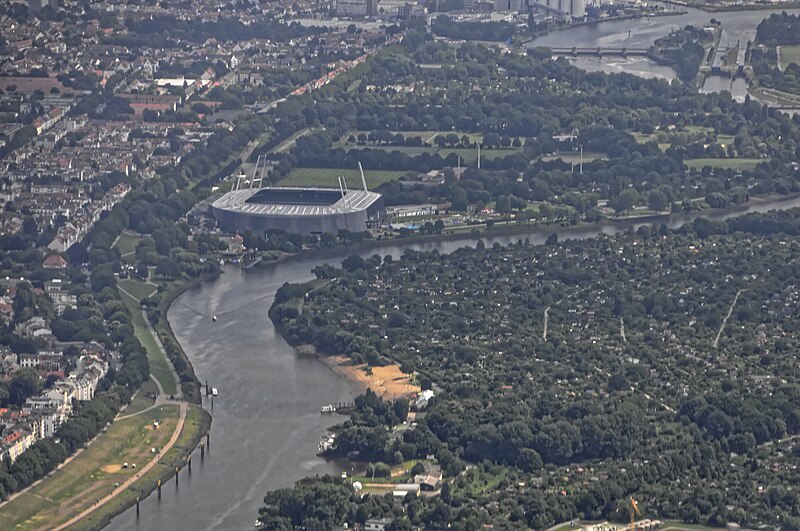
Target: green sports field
{"points": [[734, 164], [327, 177]]}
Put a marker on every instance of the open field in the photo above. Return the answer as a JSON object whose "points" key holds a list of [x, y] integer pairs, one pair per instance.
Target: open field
{"points": [[789, 54], [735, 164], [141, 400], [196, 424], [127, 243], [326, 177], [137, 288], [92, 474], [159, 368], [575, 156]]}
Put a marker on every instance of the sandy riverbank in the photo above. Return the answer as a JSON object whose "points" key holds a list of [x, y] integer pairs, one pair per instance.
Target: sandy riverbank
{"points": [[387, 382]]}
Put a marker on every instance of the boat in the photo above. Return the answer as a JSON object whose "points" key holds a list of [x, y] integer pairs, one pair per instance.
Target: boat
{"points": [[214, 318], [328, 408], [214, 391]]}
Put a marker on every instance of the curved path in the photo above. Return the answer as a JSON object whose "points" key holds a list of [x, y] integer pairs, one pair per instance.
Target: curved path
{"points": [[130, 481]]}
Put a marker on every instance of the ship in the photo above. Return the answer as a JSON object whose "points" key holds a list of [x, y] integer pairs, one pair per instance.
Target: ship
{"points": [[329, 408]]}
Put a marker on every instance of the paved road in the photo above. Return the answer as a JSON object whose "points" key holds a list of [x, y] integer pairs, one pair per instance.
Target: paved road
{"points": [[130, 481]]}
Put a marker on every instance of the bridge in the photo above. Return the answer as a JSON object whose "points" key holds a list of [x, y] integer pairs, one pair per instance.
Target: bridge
{"points": [[599, 52]]}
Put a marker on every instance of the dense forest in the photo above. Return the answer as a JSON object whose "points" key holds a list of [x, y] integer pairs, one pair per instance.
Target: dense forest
{"points": [[658, 363], [783, 28]]}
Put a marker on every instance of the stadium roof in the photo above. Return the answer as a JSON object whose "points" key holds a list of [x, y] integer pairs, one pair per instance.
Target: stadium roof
{"points": [[283, 204]]}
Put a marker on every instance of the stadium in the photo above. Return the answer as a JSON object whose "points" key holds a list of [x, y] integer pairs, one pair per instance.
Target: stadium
{"points": [[297, 210]]}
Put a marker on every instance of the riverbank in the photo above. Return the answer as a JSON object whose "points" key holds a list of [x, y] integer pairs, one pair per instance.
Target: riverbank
{"points": [[191, 385]]}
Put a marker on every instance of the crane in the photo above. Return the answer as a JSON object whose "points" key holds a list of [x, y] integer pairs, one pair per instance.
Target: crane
{"points": [[634, 512]]}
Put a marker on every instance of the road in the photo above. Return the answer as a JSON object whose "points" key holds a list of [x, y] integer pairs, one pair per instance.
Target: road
{"points": [[130, 481], [725, 320]]}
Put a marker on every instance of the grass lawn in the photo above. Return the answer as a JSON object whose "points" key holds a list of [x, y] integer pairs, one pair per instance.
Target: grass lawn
{"points": [[680, 526], [326, 177], [479, 482], [137, 288], [158, 363], [127, 243], [141, 400], [790, 54], [575, 156], [92, 475], [735, 164]]}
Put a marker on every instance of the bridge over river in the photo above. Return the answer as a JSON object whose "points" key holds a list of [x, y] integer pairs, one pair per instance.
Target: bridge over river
{"points": [[600, 51]]}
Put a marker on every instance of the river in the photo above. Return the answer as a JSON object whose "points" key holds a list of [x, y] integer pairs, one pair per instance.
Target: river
{"points": [[266, 419], [737, 26]]}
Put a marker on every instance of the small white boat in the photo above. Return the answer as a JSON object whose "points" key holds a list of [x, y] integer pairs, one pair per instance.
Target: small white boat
{"points": [[329, 408], [214, 318], [214, 391]]}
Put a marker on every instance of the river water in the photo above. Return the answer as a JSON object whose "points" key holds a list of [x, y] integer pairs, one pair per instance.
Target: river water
{"points": [[266, 419], [737, 26]]}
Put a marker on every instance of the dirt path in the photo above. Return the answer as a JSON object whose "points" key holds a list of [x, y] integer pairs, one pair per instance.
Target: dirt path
{"points": [[725, 320], [546, 319], [153, 462]]}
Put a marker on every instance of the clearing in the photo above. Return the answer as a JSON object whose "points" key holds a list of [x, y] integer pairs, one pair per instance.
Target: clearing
{"points": [[127, 242], [790, 54]]}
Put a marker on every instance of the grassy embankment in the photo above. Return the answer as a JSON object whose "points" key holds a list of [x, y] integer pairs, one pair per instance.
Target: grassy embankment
{"points": [[159, 368], [93, 473]]}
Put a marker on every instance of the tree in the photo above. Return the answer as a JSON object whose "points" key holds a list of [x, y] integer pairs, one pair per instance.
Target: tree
{"points": [[503, 205], [353, 262], [625, 200], [24, 384], [657, 200]]}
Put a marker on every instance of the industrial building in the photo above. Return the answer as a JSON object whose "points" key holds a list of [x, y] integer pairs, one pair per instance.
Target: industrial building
{"points": [[357, 8], [573, 8]]}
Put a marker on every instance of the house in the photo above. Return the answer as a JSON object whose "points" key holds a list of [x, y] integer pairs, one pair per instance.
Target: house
{"points": [[33, 328], [429, 481], [376, 524], [54, 261], [14, 443]]}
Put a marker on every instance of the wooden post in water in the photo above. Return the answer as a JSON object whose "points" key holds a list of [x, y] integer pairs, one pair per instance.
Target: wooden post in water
{"points": [[208, 438], [189, 460], [137, 505], [202, 450], [159, 489], [177, 476]]}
